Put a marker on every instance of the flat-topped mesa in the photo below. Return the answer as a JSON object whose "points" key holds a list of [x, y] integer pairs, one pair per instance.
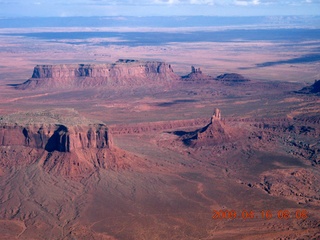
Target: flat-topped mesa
{"points": [[60, 141], [232, 77], [62, 130], [70, 151], [56, 137], [124, 72]]}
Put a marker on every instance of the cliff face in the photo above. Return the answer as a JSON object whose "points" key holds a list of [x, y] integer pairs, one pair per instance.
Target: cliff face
{"points": [[122, 73], [55, 137], [69, 151]]}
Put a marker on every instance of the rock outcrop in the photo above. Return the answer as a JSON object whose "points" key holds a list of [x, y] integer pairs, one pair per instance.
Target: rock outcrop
{"points": [[127, 73], [196, 75], [299, 185], [215, 132], [313, 89], [231, 77], [55, 137], [70, 151], [66, 145]]}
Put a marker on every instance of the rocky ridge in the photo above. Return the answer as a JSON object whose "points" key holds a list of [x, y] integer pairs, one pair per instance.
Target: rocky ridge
{"points": [[313, 89], [231, 77]]}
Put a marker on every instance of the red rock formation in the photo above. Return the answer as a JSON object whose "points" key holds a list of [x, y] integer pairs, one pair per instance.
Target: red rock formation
{"points": [[196, 75], [55, 137], [231, 77], [155, 126], [215, 132], [122, 73], [69, 151]]}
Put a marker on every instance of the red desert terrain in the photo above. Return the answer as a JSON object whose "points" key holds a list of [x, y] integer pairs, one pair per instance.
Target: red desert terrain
{"points": [[132, 150]]}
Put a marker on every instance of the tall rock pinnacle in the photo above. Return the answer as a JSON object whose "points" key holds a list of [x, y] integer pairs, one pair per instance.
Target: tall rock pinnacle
{"points": [[216, 115]]}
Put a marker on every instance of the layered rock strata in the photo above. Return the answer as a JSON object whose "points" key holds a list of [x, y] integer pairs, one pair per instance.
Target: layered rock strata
{"points": [[122, 73], [60, 141], [55, 137], [70, 151]]}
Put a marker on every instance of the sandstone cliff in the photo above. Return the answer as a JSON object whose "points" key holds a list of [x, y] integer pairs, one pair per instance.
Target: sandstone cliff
{"points": [[69, 151], [65, 145], [122, 73], [55, 137]]}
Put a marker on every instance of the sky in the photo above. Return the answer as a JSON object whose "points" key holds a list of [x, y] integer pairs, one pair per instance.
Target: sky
{"points": [[68, 8]]}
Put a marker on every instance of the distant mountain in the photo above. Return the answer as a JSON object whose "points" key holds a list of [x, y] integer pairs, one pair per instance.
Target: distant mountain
{"points": [[160, 21]]}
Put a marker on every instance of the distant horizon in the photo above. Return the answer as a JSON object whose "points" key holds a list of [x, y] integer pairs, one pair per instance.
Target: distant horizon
{"points": [[161, 21], [167, 16], [91, 8]]}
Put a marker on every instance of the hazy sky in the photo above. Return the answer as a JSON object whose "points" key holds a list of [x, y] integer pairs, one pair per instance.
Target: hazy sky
{"points": [[13, 8]]}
